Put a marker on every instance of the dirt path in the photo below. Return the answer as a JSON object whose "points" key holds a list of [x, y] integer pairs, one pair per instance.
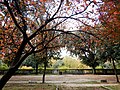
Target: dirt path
{"points": [[67, 80]]}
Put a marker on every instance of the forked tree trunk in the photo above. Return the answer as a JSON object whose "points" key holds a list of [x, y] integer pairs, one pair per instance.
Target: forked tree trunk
{"points": [[115, 71]]}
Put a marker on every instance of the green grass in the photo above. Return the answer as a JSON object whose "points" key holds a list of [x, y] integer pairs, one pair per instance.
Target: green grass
{"points": [[116, 87], [81, 88]]}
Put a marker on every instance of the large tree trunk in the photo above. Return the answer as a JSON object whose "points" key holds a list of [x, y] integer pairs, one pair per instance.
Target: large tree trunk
{"points": [[11, 72], [7, 76], [115, 71], [14, 65]]}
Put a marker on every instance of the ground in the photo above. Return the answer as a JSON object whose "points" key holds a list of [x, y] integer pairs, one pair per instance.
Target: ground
{"points": [[72, 81]]}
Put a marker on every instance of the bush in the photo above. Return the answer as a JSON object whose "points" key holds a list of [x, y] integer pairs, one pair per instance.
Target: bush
{"points": [[3, 65]]}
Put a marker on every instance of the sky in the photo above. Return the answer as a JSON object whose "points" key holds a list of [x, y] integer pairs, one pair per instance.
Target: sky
{"points": [[64, 52]]}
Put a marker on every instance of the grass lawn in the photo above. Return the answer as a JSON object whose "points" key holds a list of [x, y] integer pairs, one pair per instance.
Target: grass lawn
{"points": [[54, 87]]}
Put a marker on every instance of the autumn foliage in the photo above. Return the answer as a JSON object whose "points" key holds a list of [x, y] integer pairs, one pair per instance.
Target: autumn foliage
{"points": [[110, 20], [32, 26]]}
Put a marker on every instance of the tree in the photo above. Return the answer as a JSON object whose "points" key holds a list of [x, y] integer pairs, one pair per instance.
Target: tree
{"points": [[32, 60], [90, 59], [110, 29], [55, 54], [86, 49], [110, 21], [24, 27], [73, 63], [112, 54], [58, 64]]}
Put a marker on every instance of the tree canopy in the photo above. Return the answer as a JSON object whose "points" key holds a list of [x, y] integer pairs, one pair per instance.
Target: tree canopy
{"points": [[32, 26]]}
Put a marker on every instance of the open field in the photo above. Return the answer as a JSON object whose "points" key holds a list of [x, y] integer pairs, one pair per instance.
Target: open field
{"points": [[63, 82]]}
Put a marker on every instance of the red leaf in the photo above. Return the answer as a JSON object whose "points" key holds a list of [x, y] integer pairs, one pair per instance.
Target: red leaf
{"points": [[43, 0]]}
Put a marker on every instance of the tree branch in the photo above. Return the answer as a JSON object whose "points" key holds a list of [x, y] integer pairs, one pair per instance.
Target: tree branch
{"points": [[21, 15], [12, 16], [58, 8]]}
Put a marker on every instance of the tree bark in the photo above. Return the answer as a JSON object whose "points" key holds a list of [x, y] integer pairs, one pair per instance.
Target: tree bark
{"points": [[115, 71], [14, 66], [44, 72], [7, 76], [36, 68], [45, 65], [94, 71], [11, 72]]}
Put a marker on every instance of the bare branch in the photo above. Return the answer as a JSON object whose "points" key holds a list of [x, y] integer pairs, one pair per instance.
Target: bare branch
{"points": [[58, 8]]}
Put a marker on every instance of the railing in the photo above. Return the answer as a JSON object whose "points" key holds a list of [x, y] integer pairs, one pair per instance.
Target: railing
{"points": [[64, 71]]}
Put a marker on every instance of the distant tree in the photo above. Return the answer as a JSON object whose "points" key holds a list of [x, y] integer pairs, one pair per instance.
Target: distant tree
{"points": [[118, 64], [48, 54], [32, 60], [58, 64], [107, 65], [73, 63], [90, 59], [87, 48]]}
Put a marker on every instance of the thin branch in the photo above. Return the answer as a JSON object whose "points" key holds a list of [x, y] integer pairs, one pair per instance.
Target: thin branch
{"points": [[83, 10], [21, 15], [70, 32], [55, 47], [58, 8], [47, 43], [59, 23], [51, 19], [2, 3]]}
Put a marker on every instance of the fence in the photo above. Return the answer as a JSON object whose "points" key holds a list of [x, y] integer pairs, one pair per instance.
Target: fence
{"points": [[64, 71]]}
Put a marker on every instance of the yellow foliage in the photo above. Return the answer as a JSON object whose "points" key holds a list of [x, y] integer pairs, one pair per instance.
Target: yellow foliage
{"points": [[25, 67]]}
